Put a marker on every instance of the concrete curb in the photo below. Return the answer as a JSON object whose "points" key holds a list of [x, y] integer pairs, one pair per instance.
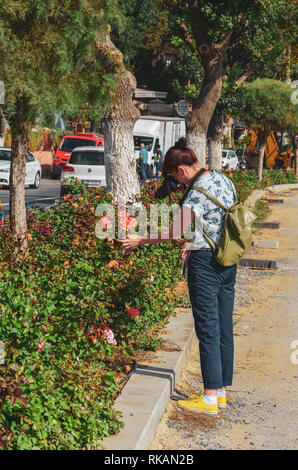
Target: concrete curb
{"points": [[144, 398], [259, 193], [281, 187]]}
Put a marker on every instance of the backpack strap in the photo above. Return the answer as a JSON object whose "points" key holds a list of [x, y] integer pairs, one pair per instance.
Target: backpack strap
{"points": [[210, 196], [209, 240], [191, 185], [219, 204]]}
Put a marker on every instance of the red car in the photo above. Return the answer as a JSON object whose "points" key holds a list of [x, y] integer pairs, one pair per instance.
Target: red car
{"points": [[68, 143]]}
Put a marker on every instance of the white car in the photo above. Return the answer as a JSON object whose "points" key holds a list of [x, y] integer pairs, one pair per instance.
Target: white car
{"points": [[229, 160], [87, 165], [33, 168]]}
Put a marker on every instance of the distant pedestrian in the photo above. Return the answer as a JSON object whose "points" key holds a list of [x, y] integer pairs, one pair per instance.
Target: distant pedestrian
{"points": [[157, 160], [144, 161]]}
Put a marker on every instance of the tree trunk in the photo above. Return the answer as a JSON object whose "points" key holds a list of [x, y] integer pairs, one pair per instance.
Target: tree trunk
{"points": [[2, 128], [120, 162], [215, 132], [229, 143], [203, 107], [196, 140], [288, 65], [296, 158], [261, 153], [19, 151]]}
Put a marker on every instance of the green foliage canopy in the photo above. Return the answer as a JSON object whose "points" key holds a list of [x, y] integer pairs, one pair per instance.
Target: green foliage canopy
{"points": [[266, 104], [48, 56]]}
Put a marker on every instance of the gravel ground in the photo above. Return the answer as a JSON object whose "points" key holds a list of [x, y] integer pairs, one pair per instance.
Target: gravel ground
{"points": [[262, 403]]}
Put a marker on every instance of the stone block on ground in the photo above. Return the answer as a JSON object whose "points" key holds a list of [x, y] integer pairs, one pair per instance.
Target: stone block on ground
{"points": [[271, 244]]}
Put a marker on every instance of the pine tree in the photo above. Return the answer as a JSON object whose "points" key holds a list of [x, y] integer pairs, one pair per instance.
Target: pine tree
{"points": [[266, 105], [48, 56]]}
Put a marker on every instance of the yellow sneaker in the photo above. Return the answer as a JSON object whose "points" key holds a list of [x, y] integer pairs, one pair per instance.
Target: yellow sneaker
{"points": [[222, 402], [198, 404], [195, 396]]}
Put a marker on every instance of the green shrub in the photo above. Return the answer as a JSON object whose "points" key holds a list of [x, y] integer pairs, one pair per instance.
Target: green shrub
{"points": [[246, 181], [58, 383]]}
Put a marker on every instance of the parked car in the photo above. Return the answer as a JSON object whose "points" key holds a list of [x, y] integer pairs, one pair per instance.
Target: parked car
{"points": [[229, 160], [85, 164], [70, 142], [33, 169]]}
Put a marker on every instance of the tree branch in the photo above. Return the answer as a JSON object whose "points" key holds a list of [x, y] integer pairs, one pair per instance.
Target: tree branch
{"points": [[244, 77], [224, 44], [109, 56], [189, 38]]}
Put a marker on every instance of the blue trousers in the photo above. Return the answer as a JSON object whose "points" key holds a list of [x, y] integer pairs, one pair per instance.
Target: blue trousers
{"points": [[143, 170], [212, 292]]}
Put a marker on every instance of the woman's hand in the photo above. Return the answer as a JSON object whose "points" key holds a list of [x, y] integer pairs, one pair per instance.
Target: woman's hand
{"points": [[130, 242]]}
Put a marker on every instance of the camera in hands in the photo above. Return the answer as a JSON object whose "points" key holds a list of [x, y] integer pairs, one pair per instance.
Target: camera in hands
{"points": [[169, 185]]}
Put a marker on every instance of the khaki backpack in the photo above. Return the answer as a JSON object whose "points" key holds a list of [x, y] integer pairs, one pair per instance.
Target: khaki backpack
{"points": [[236, 237]]}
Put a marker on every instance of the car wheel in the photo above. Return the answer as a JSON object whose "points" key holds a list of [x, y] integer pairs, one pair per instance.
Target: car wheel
{"points": [[36, 183]]}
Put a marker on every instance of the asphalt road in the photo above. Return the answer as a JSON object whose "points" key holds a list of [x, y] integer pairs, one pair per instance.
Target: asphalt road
{"points": [[44, 196]]}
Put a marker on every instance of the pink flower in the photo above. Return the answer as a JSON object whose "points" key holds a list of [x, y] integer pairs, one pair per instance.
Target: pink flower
{"points": [[133, 312], [110, 242], [40, 346], [183, 253], [132, 223], [126, 221], [106, 222], [151, 279], [113, 263], [110, 336]]}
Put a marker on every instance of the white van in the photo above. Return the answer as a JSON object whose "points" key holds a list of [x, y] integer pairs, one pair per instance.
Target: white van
{"points": [[157, 130]]}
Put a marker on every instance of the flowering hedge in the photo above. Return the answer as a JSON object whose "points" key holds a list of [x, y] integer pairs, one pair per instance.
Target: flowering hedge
{"points": [[71, 311], [246, 181]]}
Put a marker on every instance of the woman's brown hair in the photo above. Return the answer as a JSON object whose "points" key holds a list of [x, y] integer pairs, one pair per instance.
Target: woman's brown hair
{"points": [[180, 154]]}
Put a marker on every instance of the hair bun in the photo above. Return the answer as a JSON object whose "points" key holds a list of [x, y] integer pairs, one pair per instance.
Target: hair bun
{"points": [[181, 143]]}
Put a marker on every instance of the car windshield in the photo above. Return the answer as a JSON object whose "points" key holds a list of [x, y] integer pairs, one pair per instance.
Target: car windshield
{"points": [[68, 144], [147, 141], [87, 158], [5, 155]]}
